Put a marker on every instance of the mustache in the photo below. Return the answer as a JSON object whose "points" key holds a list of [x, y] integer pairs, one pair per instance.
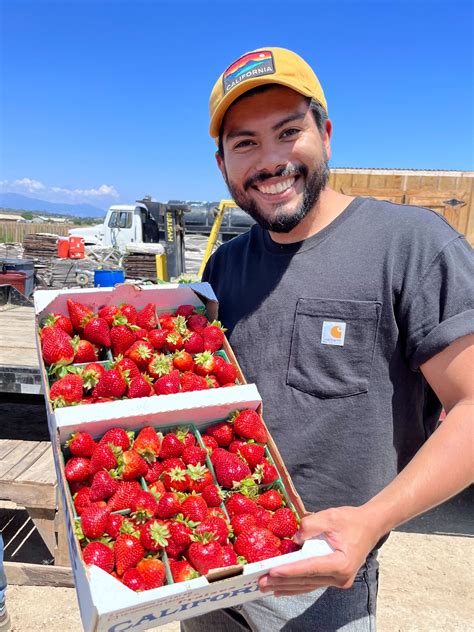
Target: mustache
{"points": [[288, 170]]}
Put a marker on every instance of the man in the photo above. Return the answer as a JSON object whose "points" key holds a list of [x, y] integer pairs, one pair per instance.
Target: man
{"points": [[354, 318]]}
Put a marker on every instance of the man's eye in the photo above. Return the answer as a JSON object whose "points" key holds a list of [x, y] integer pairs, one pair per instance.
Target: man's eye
{"points": [[244, 143], [290, 132]]}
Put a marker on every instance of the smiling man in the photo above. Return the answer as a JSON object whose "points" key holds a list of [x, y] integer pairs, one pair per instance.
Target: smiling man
{"points": [[354, 317]]}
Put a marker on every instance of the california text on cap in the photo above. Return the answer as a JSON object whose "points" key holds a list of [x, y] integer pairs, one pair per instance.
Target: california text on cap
{"points": [[259, 67]]}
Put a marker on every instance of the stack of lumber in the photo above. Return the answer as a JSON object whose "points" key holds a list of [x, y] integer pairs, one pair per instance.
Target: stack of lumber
{"points": [[41, 246], [139, 265], [11, 251], [72, 273]]}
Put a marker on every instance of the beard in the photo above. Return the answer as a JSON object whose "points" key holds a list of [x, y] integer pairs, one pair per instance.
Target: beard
{"points": [[281, 220]]}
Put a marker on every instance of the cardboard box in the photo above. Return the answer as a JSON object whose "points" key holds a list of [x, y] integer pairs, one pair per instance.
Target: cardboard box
{"points": [[105, 604]]}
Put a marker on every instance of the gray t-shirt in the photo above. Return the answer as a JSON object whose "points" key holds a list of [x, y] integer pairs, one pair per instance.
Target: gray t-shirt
{"points": [[333, 331]]}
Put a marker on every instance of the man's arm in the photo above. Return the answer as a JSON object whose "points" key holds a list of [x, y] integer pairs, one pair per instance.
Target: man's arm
{"points": [[441, 468]]}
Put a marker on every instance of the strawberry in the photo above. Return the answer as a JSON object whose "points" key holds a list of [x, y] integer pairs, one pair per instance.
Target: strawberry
{"points": [[157, 337], [231, 470], [176, 480], [140, 333], [59, 320], [194, 508], [235, 445], [121, 339], [103, 486], [249, 424], [114, 525], [205, 554], [197, 323], [155, 470], [262, 516], [167, 321], [56, 347], [156, 488], [146, 318], [94, 521], [171, 446], [91, 374], [133, 579], [283, 523], [168, 505], [194, 343], [183, 361], [111, 384], [82, 500], [140, 386], [81, 444], [253, 453], [66, 391], [225, 372], [192, 382], [270, 500], [218, 454], [154, 535], [265, 472], [185, 310], [174, 341], [130, 313], [213, 336], [204, 363], [213, 495], [103, 458], [84, 351], [131, 465], [256, 544], [117, 437], [153, 572], [100, 555], [159, 365], [217, 526], [199, 477], [209, 442], [172, 462], [79, 314], [194, 455], [97, 330], [230, 558], [239, 504], [123, 497], [77, 469], [288, 546], [186, 436], [143, 507], [128, 551], [180, 531], [242, 522], [148, 443], [127, 367], [222, 432], [108, 313], [141, 353], [182, 571]]}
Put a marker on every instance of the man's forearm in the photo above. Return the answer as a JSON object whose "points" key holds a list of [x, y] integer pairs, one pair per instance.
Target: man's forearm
{"points": [[441, 468]]}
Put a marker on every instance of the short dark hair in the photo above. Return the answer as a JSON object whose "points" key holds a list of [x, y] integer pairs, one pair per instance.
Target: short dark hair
{"points": [[319, 113]]}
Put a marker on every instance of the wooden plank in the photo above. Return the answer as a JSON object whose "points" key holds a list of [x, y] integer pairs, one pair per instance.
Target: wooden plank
{"points": [[21, 458], [42, 471], [7, 445], [21, 574], [17, 324], [29, 494]]}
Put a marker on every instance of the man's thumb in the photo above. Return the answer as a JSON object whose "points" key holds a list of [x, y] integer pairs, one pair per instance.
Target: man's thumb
{"points": [[311, 526]]}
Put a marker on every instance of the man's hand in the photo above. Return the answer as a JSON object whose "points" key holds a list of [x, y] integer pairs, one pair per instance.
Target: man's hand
{"points": [[350, 533]]}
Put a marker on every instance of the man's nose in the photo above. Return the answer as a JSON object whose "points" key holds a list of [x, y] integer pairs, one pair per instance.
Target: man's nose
{"points": [[271, 157]]}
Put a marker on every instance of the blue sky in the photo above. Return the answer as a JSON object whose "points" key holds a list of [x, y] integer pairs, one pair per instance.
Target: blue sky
{"points": [[106, 101]]}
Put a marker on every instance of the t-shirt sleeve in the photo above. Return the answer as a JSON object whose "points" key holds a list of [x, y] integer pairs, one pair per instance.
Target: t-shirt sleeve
{"points": [[440, 308]]}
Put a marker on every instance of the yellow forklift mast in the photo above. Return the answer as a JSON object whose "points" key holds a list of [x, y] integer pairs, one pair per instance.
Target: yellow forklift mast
{"points": [[211, 242]]}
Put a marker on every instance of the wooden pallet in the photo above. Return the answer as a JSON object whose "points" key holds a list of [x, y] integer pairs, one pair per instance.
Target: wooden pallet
{"points": [[28, 479]]}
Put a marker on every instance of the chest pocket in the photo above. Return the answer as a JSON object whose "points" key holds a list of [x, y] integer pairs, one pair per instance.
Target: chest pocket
{"points": [[332, 346]]}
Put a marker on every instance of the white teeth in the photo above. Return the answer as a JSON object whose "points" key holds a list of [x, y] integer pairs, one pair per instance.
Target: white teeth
{"points": [[277, 188]]}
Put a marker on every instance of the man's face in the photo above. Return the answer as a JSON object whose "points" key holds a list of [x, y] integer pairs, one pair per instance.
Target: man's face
{"points": [[274, 160]]}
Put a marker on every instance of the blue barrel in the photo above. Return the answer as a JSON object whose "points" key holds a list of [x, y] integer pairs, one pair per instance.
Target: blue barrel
{"points": [[108, 278]]}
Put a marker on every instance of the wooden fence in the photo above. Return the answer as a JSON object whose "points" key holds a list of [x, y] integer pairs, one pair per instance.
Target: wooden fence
{"points": [[13, 232]]}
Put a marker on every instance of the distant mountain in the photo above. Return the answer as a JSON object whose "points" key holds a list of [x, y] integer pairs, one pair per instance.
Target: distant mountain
{"points": [[24, 203]]}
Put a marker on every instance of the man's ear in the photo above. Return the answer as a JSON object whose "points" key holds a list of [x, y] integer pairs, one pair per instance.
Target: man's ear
{"points": [[327, 138], [221, 165]]}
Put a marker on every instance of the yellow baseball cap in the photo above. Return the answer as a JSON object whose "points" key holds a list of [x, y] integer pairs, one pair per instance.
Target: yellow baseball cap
{"points": [[259, 67]]}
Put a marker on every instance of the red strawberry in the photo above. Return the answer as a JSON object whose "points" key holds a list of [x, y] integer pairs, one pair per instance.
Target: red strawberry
{"points": [[123, 497], [213, 495], [111, 384], [117, 437], [197, 323], [253, 453], [230, 558], [97, 331], [84, 351], [103, 486], [194, 455], [204, 363], [146, 318], [174, 341], [100, 555], [77, 469], [235, 445], [56, 347], [153, 572], [140, 333], [154, 535], [209, 442], [82, 500], [222, 432], [148, 443], [283, 523], [140, 386], [128, 551], [213, 336], [130, 313], [242, 522], [66, 391], [127, 367], [121, 339], [176, 480], [114, 525], [217, 526], [108, 313], [134, 580], [59, 320], [171, 446], [192, 382], [270, 500], [79, 314], [249, 424], [199, 477], [180, 537], [240, 504], [94, 521], [131, 466], [168, 505], [231, 470], [159, 365], [186, 436], [266, 472], [262, 516], [167, 321], [194, 508], [225, 372], [185, 310], [103, 458], [156, 488], [155, 470], [183, 361], [143, 507], [81, 444], [172, 462], [194, 343], [157, 337], [91, 374], [205, 554], [141, 353], [288, 546], [256, 544], [182, 571]]}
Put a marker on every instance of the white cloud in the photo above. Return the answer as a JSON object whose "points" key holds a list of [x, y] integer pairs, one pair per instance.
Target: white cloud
{"points": [[59, 194]]}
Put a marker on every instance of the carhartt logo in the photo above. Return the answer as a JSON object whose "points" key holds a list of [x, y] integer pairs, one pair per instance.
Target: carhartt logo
{"points": [[333, 333], [249, 66]]}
